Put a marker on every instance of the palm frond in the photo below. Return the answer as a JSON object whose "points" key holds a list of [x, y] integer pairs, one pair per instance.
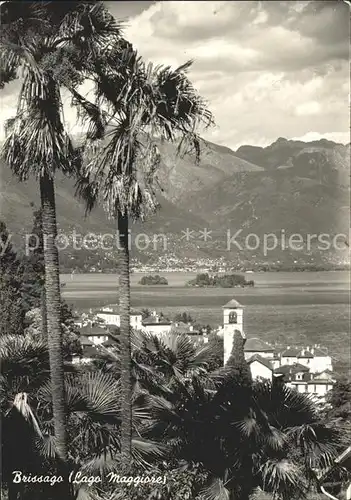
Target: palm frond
{"points": [[216, 490], [146, 452], [87, 25], [37, 142], [282, 477], [24, 357], [88, 111], [145, 103], [22, 406]]}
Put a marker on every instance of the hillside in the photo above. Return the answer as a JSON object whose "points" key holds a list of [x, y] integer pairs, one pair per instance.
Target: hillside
{"points": [[181, 178], [292, 186]]}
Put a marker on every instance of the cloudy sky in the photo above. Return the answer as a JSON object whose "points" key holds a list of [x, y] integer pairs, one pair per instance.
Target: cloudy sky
{"points": [[267, 69]]}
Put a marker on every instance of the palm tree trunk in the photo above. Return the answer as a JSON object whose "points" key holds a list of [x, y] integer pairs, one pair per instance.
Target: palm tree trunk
{"points": [[53, 306], [126, 363], [44, 319]]}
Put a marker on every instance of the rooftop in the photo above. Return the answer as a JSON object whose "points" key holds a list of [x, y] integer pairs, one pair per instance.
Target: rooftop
{"points": [[88, 331], [290, 353], [110, 343], [257, 345], [85, 341], [327, 372], [153, 321], [260, 359], [232, 304], [179, 329], [295, 368], [305, 354], [116, 311], [319, 351]]}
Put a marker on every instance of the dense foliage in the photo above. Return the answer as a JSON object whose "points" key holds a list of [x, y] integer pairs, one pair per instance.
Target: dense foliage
{"points": [[184, 317], [153, 280], [12, 310], [211, 434]]}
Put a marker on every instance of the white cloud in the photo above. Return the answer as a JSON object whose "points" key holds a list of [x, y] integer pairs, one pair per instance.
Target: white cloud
{"points": [[262, 75], [340, 137], [267, 69], [308, 108]]}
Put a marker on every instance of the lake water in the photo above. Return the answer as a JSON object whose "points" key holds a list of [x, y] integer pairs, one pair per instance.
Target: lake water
{"points": [[324, 286], [292, 308]]}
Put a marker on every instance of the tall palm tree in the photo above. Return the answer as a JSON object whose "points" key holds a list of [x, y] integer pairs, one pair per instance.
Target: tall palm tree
{"points": [[51, 43], [135, 104]]}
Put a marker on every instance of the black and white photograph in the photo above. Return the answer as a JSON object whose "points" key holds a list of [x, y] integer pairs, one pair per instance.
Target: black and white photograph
{"points": [[174, 250]]}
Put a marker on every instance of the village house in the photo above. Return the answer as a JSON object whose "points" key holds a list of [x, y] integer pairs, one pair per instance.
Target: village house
{"points": [[90, 352], [260, 367], [95, 334], [289, 357], [111, 316], [156, 324]]}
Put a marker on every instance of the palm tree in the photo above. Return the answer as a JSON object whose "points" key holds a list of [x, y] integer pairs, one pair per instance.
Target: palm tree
{"points": [[24, 368], [156, 360], [93, 414], [140, 103], [219, 422], [51, 42], [212, 420]]}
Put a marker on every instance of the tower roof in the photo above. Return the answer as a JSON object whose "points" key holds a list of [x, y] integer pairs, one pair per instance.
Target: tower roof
{"points": [[232, 303]]}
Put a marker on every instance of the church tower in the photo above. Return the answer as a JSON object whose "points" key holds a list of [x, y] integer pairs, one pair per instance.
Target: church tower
{"points": [[233, 320]]}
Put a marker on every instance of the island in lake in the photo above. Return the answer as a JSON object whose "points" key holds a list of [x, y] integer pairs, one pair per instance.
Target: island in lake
{"points": [[225, 281], [153, 280]]}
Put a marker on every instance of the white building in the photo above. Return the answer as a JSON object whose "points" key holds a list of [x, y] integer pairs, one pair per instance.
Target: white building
{"points": [[289, 356], [111, 316], [156, 324], [157, 327], [94, 334], [317, 388], [305, 357], [321, 359], [260, 368]]}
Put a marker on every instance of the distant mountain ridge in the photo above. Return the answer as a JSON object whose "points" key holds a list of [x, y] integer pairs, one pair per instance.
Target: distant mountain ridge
{"points": [[279, 152], [290, 185]]}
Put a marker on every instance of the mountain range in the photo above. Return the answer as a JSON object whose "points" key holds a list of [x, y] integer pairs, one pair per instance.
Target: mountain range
{"points": [[287, 187]]}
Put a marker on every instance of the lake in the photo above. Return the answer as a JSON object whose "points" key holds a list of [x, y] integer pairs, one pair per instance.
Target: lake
{"points": [[303, 308], [89, 290]]}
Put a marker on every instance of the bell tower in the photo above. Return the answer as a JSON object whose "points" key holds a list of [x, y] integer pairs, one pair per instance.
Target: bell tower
{"points": [[233, 320]]}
